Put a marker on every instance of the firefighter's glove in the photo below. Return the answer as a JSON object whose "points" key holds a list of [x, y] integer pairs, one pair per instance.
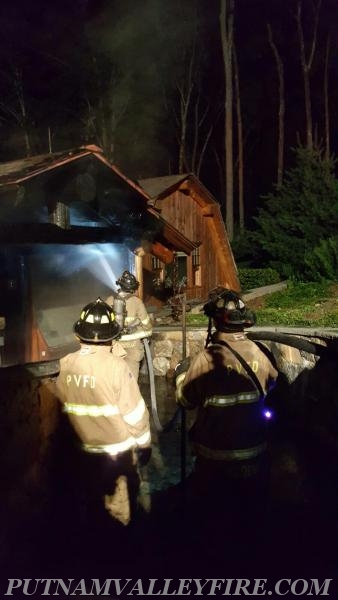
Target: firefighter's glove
{"points": [[131, 328], [182, 367], [133, 325], [179, 376], [143, 456]]}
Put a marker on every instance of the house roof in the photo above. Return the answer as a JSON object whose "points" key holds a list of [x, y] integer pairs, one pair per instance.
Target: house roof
{"points": [[188, 184], [159, 187], [172, 235], [81, 178], [18, 171], [154, 186]]}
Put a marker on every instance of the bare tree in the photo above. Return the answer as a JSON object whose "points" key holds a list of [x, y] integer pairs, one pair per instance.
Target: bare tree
{"points": [[105, 112], [306, 63], [16, 107], [199, 147], [326, 100], [226, 19], [185, 90], [239, 144], [220, 167], [193, 124], [281, 109]]}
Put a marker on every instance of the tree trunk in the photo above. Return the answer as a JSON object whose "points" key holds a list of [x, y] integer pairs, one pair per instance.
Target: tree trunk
{"points": [[185, 94], [240, 145], [306, 64], [226, 18], [326, 100], [281, 110], [23, 118]]}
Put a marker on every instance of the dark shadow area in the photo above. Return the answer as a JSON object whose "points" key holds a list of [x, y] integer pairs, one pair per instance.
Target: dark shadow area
{"points": [[175, 534]]}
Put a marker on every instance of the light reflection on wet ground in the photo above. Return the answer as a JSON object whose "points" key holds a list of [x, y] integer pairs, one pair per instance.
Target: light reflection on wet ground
{"points": [[165, 468]]}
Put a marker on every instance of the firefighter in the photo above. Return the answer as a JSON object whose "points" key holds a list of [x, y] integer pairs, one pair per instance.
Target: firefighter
{"points": [[105, 408], [135, 320], [226, 383]]}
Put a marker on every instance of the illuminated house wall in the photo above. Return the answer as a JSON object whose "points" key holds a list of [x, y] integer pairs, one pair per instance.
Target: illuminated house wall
{"points": [[65, 278], [70, 223]]}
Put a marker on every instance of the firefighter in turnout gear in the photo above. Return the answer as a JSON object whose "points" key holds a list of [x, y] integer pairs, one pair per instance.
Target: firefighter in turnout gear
{"points": [[133, 318], [226, 383], [105, 408]]}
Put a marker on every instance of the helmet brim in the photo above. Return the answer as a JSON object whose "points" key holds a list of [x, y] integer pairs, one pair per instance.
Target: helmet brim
{"points": [[105, 333]]}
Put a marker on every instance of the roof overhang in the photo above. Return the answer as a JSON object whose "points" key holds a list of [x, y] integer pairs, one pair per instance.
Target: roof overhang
{"points": [[109, 205], [173, 237]]}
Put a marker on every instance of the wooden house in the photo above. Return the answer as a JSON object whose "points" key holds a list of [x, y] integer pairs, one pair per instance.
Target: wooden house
{"points": [[70, 223], [183, 201]]}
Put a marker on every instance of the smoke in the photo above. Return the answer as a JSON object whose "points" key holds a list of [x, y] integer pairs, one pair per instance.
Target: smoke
{"points": [[138, 49], [102, 261], [57, 281], [69, 274]]}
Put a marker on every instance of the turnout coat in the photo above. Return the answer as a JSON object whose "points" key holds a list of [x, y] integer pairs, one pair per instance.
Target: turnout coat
{"points": [[230, 424], [138, 326], [103, 401]]}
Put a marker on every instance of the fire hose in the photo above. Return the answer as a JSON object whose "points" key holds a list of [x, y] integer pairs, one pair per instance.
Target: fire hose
{"points": [[160, 428], [288, 340], [119, 305], [180, 411]]}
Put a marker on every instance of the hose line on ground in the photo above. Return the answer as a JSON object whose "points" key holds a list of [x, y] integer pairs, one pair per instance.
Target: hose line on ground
{"points": [[153, 402]]}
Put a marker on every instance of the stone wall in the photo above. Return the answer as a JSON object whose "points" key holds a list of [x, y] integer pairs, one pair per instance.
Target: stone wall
{"points": [[167, 349], [28, 418]]}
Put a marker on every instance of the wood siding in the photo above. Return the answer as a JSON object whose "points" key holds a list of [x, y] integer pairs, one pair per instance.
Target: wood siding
{"points": [[201, 222]]}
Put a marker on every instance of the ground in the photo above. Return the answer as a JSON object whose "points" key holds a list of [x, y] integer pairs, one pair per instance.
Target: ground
{"points": [[323, 306], [293, 535]]}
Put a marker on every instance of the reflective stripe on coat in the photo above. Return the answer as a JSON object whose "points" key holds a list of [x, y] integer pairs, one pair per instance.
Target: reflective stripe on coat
{"points": [[229, 424], [103, 400]]}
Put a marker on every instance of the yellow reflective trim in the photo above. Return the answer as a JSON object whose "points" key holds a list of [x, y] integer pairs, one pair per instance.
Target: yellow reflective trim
{"points": [[127, 343], [114, 449], [134, 336], [221, 401], [135, 415], [180, 378], [238, 454], [143, 439], [91, 410]]}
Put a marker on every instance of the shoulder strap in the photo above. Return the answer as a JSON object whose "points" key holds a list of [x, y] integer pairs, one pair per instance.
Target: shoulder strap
{"points": [[269, 355], [244, 364]]}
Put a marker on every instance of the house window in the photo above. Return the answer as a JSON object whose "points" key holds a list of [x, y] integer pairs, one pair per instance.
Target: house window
{"points": [[158, 270], [156, 264], [196, 267], [176, 273], [196, 259]]}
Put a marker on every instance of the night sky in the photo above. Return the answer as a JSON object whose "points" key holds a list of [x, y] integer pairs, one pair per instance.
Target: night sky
{"points": [[108, 72]]}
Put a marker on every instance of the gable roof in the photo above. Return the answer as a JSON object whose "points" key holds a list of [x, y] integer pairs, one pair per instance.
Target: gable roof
{"points": [[27, 185], [154, 186], [159, 187], [18, 171], [188, 184]]}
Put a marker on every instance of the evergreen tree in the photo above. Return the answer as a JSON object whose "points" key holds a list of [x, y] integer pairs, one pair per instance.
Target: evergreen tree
{"points": [[297, 227]]}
